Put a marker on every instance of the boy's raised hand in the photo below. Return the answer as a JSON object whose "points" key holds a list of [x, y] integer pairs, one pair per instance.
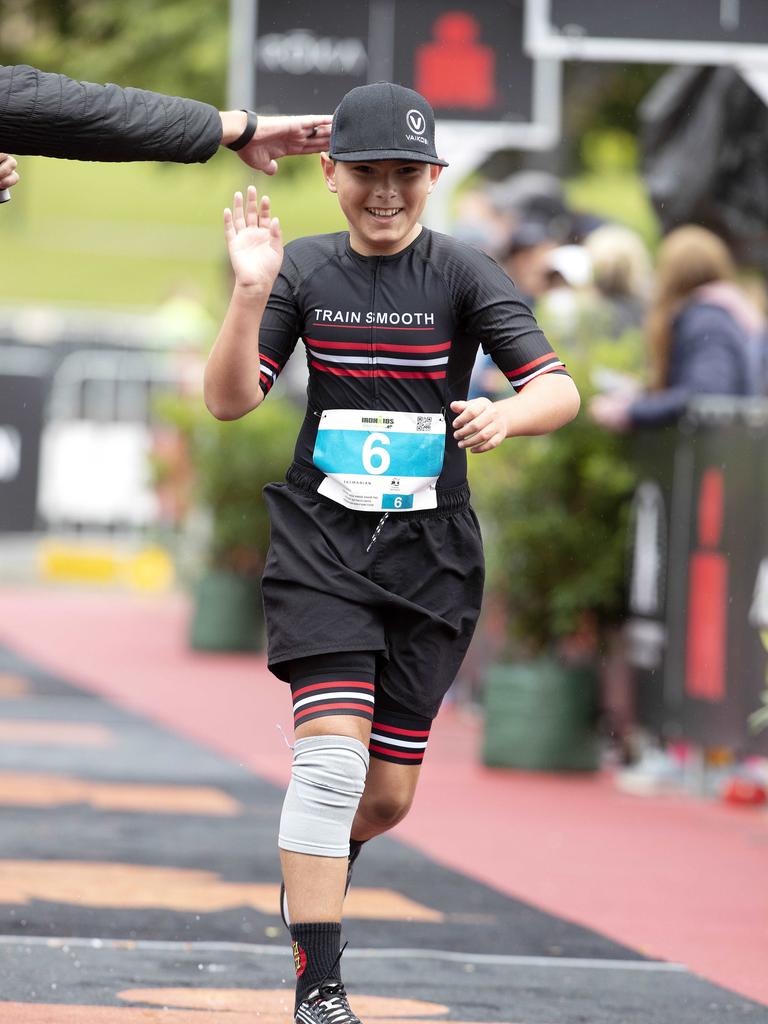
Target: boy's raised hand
{"points": [[254, 242]]}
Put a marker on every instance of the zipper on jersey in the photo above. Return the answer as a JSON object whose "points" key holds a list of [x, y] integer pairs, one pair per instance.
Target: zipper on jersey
{"points": [[374, 376]]}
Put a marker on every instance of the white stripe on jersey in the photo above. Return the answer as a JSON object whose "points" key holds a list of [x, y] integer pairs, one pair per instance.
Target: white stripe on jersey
{"points": [[334, 694], [266, 369], [398, 743], [519, 381], [379, 359]]}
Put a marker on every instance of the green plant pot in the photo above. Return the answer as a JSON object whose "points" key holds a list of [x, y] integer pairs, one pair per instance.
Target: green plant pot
{"points": [[227, 614], [540, 716]]}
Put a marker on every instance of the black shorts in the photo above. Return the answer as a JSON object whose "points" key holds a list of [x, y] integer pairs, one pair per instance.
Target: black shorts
{"points": [[414, 597]]}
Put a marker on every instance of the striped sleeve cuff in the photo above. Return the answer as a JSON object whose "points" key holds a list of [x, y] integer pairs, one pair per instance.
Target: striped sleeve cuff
{"points": [[269, 370], [522, 375]]}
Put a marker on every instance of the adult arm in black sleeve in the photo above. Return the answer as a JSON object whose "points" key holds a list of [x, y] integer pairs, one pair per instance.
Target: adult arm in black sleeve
{"points": [[45, 114]]}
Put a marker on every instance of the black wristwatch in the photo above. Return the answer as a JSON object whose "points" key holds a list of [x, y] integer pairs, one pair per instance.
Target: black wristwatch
{"points": [[251, 124]]}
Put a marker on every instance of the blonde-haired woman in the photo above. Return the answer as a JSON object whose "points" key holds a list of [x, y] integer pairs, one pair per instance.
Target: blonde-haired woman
{"points": [[705, 336], [621, 274]]}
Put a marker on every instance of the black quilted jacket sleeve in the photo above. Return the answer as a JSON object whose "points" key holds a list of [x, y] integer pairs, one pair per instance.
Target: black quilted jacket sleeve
{"points": [[43, 114]]}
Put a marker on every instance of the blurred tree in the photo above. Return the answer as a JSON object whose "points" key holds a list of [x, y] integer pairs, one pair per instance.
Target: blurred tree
{"points": [[177, 47]]}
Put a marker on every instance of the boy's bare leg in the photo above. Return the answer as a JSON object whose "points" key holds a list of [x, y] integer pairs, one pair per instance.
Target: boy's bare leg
{"points": [[387, 798], [314, 886]]}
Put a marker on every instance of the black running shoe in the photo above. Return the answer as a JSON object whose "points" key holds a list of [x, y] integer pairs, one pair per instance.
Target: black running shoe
{"points": [[327, 1004], [354, 852]]}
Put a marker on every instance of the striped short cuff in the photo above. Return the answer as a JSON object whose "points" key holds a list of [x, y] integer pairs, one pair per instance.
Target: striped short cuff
{"points": [[398, 739], [332, 697]]}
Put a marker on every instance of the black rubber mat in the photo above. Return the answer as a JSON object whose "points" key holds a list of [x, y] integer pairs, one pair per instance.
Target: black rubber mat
{"points": [[96, 900]]}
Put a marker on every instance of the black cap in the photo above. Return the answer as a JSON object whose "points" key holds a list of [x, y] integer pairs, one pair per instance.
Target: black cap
{"points": [[384, 122]]}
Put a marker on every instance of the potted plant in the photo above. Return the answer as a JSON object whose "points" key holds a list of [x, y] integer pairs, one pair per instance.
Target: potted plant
{"points": [[231, 463], [554, 510]]}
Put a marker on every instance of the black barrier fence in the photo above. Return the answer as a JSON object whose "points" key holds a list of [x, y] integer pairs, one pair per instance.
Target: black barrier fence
{"points": [[698, 589]]}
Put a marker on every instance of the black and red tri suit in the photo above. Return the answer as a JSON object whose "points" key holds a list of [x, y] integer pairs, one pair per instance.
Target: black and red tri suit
{"points": [[385, 333]]}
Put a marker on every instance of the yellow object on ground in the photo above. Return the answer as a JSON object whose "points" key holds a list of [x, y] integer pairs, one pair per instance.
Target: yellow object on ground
{"points": [[149, 569]]}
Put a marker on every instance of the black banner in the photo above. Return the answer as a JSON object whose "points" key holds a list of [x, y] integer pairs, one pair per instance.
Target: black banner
{"points": [[698, 625], [466, 58], [714, 21]]}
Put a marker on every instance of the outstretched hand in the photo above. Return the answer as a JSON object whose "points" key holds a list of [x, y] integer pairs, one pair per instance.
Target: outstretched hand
{"points": [[254, 242], [286, 136]]}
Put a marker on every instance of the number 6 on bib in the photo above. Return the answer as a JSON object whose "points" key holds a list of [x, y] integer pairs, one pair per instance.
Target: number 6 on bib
{"points": [[376, 461], [372, 452]]}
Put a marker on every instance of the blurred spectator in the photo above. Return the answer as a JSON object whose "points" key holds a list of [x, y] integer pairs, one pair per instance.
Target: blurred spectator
{"points": [[478, 223], [704, 334], [568, 266], [532, 197], [526, 261], [621, 274], [568, 303], [539, 197]]}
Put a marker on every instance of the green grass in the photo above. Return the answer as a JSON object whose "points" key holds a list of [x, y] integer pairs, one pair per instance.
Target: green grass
{"points": [[127, 235]]}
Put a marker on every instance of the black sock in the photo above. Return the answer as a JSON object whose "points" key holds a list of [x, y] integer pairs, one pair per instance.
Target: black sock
{"points": [[315, 955]]}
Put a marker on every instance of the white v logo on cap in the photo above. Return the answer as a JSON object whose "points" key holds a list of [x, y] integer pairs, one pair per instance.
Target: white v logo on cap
{"points": [[416, 121]]}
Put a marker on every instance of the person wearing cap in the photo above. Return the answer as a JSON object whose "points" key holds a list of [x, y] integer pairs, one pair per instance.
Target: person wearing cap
{"points": [[374, 577]]}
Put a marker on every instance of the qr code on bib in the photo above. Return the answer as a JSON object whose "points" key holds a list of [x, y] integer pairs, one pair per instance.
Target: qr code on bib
{"points": [[424, 423]]}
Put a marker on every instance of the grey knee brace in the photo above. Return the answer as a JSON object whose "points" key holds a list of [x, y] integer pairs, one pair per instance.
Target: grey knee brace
{"points": [[326, 785]]}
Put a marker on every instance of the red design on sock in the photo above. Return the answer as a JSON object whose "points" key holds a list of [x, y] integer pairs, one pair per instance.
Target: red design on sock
{"points": [[299, 959]]}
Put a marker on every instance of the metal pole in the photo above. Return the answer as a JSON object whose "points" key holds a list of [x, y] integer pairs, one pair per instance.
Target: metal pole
{"points": [[243, 16]]}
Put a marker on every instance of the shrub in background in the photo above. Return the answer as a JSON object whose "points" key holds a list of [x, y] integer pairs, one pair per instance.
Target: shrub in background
{"points": [[555, 512], [232, 462]]}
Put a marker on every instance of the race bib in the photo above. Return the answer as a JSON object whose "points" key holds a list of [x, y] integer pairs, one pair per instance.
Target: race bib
{"points": [[380, 461]]}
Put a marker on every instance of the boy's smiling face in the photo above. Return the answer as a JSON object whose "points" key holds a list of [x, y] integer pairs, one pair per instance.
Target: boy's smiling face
{"points": [[382, 200]]}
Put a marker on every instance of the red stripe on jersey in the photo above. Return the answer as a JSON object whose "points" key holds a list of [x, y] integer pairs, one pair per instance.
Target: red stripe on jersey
{"points": [[270, 361], [529, 366], [341, 683], [401, 732], [400, 375], [347, 705], [542, 373], [357, 327], [413, 375], [399, 753], [265, 379], [379, 348]]}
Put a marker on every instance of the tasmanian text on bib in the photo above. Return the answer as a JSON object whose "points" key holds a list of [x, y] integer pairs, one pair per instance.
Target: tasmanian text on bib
{"points": [[380, 461]]}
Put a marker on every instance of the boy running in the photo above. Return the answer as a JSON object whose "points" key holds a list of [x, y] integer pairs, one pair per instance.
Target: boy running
{"points": [[374, 578]]}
